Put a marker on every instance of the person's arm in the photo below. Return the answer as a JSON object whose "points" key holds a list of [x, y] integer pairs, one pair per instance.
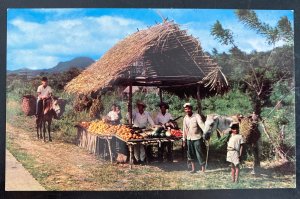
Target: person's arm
{"points": [[50, 92], [39, 92], [184, 129], [156, 119], [200, 122], [150, 120]]}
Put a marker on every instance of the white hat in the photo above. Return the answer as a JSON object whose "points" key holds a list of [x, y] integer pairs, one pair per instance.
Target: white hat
{"points": [[187, 104]]}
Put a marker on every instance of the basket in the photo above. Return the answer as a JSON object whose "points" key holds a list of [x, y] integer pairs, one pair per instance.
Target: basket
{"points": [[29, 105]]}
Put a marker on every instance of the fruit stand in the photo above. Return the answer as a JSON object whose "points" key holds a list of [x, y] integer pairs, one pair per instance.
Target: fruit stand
{"points": [[162, 56], [90, 136]]}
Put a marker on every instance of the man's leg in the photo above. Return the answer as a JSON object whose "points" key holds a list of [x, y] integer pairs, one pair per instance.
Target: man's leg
{"points": [[37, 108], [191, 154], [136, 151], [199, 153], [142, 153]]}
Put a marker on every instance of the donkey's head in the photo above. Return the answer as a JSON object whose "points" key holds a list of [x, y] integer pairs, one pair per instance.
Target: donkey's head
{"points": [[58, 106]]}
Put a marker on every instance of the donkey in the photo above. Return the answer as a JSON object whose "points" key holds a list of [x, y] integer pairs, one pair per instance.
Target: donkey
{"points": [[221, 124], [52, 108]]}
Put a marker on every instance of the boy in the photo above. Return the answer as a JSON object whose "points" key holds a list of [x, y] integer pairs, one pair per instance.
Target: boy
{"points": [[234, 151], [44, 91]]}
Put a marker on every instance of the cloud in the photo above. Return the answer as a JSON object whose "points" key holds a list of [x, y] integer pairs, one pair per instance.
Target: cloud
{"points": [[58, 40]]}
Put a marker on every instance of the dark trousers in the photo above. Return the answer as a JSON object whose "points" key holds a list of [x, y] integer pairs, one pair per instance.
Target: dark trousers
{"points": [[165, 146], [39, 106], [196, 151]]}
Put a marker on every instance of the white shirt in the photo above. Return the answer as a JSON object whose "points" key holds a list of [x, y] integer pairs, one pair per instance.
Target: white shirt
{"points": [[192, 127], [160, 118], [235, 142], [113, 115], [141, 120], [45, 92]]}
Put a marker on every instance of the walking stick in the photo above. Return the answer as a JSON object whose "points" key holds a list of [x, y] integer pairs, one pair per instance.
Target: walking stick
{"points": [[207, 150]]}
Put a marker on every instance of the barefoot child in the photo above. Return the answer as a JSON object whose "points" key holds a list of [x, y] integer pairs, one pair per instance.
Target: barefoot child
{"points": [[234, 151]]}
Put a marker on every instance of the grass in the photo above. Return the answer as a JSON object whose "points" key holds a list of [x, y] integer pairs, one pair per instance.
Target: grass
{"points": [[38, 171], [104, 176]]}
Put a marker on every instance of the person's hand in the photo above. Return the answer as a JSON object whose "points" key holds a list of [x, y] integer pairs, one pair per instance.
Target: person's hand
{"points": [[206, 136], [183, 143]]}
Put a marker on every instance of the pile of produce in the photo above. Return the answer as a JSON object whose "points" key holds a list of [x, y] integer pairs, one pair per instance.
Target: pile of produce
{"points": [[176, 133], [159, 132], [102, 128], [129, 134]]}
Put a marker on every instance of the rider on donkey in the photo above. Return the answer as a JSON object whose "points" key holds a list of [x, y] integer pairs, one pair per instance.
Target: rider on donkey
{"points": [[44, 91]]}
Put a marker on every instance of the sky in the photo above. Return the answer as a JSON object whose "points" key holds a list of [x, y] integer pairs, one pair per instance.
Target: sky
{"points": [[40, 38]]}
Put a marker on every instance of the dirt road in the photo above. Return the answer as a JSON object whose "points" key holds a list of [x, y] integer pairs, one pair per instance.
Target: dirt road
{"points": [[62, 166]]}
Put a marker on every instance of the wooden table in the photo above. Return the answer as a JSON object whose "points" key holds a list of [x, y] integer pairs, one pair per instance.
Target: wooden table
{"points": [[93, 142], [146, 141]]}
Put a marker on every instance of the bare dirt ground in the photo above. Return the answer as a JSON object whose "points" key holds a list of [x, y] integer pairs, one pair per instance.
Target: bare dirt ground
{"points": [[63, 166]]}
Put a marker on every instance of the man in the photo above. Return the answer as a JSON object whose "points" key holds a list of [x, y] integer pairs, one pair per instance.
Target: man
{"points": [[162, 118], [114, 115], [192, 137], [141, 119], [44, 91]]}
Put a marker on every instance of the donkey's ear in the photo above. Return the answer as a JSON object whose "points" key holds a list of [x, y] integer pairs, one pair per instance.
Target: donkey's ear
{"points": [[216, 117]]}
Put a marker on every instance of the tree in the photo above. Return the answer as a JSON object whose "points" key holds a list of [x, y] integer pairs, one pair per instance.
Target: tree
{"points": [[258, 78]]}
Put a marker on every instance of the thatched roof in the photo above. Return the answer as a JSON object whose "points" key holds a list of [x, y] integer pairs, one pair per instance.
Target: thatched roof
{"points": [[162, 55]]}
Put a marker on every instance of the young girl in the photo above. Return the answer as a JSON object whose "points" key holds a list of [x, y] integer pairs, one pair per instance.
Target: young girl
{"points": [[234, 151]]}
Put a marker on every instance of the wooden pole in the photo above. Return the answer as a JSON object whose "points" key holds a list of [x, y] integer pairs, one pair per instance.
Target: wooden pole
{"points": [[160, 95], [130, 104], [199, 101]]}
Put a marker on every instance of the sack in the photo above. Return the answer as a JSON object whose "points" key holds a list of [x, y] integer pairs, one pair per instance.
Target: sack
{"points": [[121, 158], [29, 105]]}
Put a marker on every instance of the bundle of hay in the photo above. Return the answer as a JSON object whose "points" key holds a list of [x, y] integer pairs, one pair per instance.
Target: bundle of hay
{"points": [[29, 105], [82, 103], [249, 130], [96, 108]]}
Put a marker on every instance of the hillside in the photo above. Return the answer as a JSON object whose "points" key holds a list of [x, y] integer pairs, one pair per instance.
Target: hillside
{"points": [[78, 62]]}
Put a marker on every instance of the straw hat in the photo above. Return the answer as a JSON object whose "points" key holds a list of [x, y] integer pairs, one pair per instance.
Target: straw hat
{"points": [[141, 103]]}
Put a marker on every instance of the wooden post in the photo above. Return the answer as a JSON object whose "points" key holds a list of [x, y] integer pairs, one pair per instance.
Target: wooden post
{"points": [[130, 104], [160, 95], [199, 101]]}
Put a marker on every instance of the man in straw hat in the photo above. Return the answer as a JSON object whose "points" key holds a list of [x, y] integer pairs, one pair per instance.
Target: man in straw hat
{"points": [[192, 137], [234, 151], [141, 119]]}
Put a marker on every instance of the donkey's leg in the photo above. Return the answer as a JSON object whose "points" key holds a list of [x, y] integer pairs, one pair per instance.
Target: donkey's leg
{"points": [[49, 125], [44, 130], [256, 155], [37, 127]]}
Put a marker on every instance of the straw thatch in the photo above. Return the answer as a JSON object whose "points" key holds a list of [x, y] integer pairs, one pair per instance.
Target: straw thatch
{"points": [[162, 55]]}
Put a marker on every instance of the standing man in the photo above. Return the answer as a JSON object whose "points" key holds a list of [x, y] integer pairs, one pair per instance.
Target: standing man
{"points": [[141, 119], [192, 137], [162, 118], [44, 91]]}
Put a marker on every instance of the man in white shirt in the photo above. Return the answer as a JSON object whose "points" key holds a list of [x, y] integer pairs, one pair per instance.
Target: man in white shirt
{"points": [[141, 119], [44, 91], [162, 118], [192, 137]]}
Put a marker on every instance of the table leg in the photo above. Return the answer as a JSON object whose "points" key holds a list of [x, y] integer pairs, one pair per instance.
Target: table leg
{"points": [[109, 149], [130, 147]]}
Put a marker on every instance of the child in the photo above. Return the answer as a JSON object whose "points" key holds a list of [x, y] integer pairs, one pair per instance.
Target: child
{"points": [[234, 151]]}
